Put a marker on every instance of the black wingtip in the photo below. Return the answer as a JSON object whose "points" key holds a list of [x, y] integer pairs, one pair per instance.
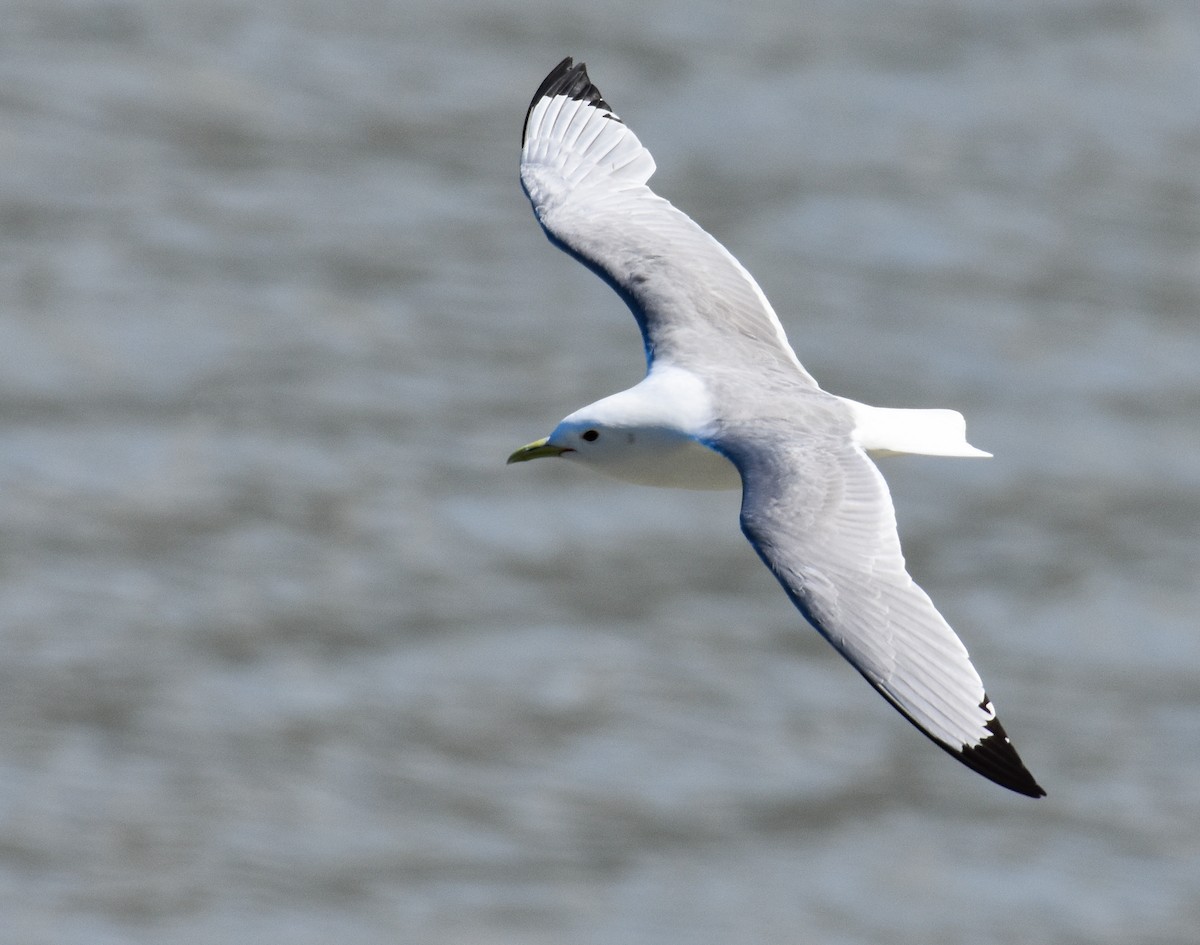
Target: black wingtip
{"points": [[996, 759], [571, 79]]}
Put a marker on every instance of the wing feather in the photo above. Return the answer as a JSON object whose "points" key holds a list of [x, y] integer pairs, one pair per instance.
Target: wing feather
{"points": [[843, 568], [585, 174]]}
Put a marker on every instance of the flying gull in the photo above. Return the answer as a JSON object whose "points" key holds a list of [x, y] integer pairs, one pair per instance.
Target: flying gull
{"points": [[725, 403]]}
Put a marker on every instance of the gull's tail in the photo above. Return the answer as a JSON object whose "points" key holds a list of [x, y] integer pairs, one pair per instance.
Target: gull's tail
{"points": [[890, 431]]}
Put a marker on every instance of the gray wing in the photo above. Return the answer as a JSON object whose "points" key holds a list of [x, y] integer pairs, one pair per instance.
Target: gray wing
{"points": [[819, 514], [585, 173]]}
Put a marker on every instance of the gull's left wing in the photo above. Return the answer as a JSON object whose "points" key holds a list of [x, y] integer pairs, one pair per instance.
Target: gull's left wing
{"points": [[819, 514]]}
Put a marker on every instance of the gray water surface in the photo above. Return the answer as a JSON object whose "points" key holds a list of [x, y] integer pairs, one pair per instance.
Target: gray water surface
{"points": [[286, 652]]}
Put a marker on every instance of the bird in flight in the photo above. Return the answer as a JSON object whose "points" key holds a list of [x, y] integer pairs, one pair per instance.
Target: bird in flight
{"points": [[725, 403]]}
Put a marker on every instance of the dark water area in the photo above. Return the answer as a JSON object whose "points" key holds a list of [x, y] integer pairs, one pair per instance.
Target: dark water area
{"points": [[287, 653]]}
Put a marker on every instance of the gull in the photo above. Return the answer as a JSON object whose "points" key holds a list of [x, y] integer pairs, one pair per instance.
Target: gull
{"points": [[725, 403]]}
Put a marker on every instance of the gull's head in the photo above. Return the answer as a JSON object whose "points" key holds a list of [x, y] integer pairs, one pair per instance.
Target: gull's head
{"points": [[636, 426], [636, 438], [583, 439]]}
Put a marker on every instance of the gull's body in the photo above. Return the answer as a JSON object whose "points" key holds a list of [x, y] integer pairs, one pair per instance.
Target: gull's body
{"points": [[726, 403]]}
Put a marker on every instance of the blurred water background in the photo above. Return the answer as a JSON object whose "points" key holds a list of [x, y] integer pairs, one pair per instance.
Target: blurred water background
{"points": [[287, 654]]}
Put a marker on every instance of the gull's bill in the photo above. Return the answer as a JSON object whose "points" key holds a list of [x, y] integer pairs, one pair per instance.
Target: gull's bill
{"points": [[726, 402], [535, 450]]}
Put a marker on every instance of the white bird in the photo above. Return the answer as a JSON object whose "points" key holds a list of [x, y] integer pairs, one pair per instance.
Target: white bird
{"points": [[725, 403]]}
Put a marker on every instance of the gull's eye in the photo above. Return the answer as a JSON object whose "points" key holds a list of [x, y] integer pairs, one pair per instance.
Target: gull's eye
{"points": [[590, 435]]}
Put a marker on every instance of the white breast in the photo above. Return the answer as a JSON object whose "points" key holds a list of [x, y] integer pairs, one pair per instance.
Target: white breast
{"points": [[673, 462]]}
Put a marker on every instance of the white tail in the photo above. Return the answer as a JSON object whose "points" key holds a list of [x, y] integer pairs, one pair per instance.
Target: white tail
{"points": [[890, 431]]}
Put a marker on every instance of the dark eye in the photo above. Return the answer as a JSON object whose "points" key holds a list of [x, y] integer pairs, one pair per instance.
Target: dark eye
{"points": [[591, 435]]}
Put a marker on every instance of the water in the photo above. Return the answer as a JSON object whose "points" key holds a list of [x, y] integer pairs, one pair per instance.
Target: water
{"points": [[289, 655]]}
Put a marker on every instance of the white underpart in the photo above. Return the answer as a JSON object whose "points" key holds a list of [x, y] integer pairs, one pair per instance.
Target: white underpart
{"points": [[667, 418]]}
